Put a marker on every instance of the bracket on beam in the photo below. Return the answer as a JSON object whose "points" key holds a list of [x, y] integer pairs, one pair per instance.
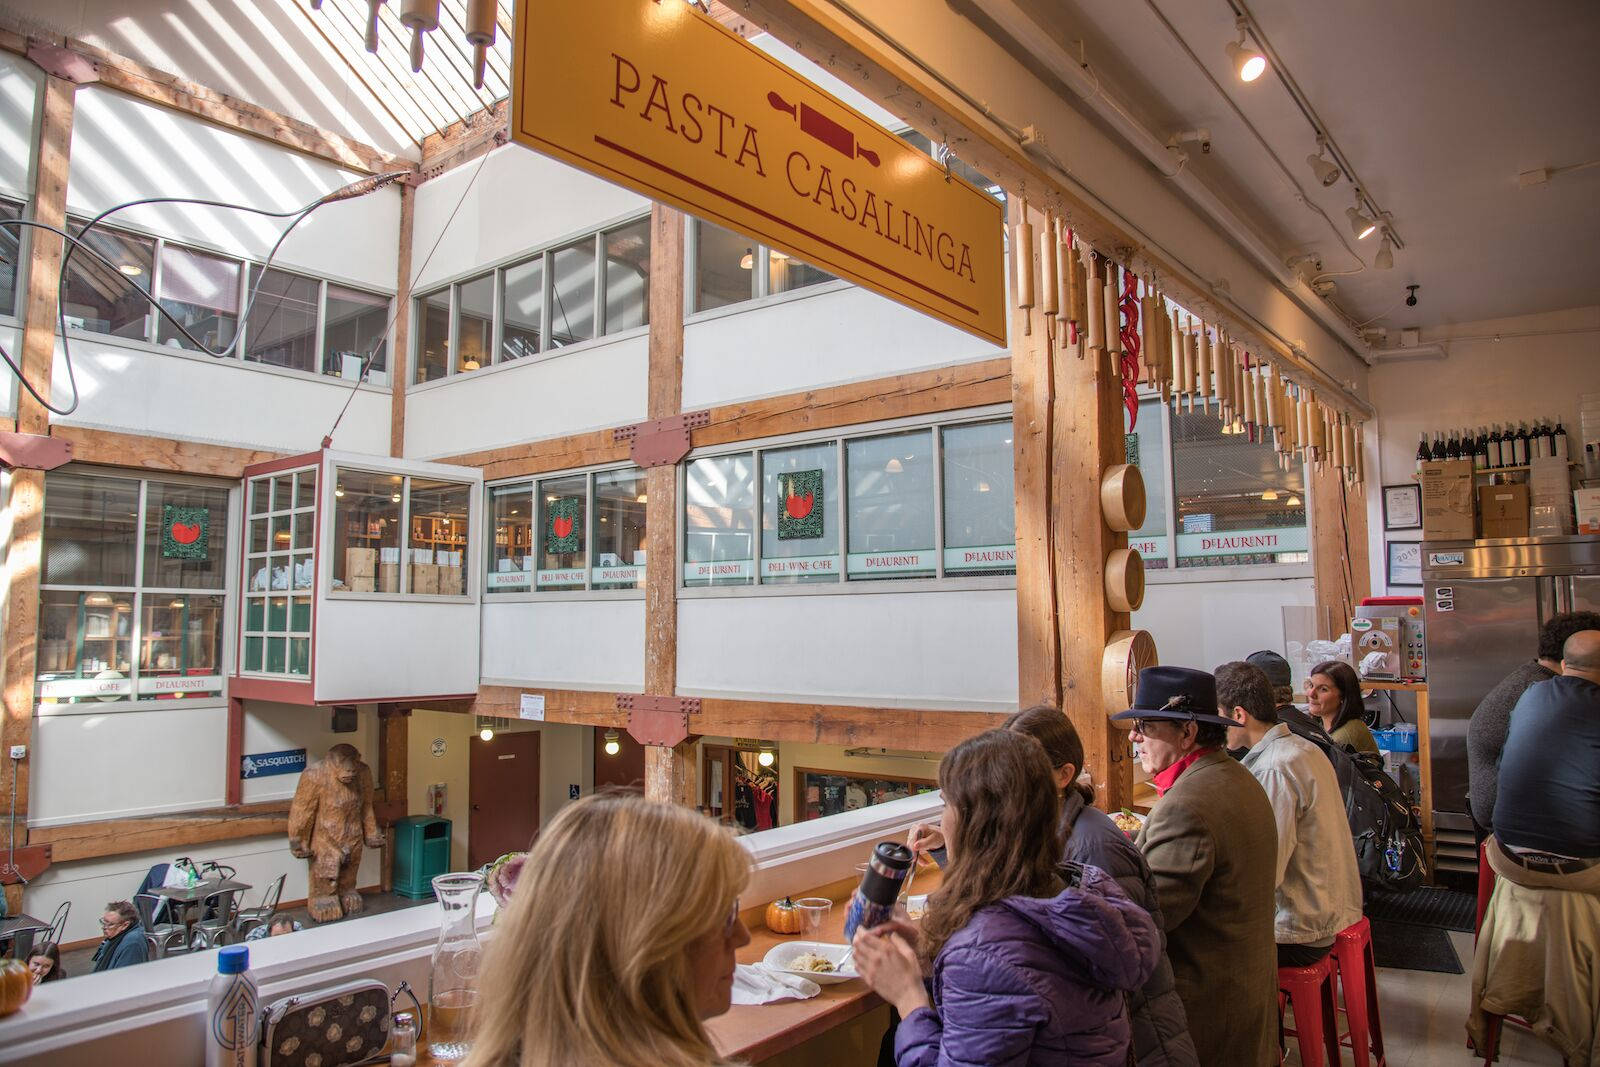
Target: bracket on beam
{"points": [[28, 863], [32, 451], [661, 442], [658, 720], [63, 63]]}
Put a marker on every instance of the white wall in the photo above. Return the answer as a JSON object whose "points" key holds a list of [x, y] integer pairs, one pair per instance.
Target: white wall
{"points": [[515, 201], [138, 388], [837, 334], [588, 387], [20, 83], [1204, 624], [124, 149], [565, 644], [90, 884], [1540, 374], [393, 649], [280, 727], [925, 650]]}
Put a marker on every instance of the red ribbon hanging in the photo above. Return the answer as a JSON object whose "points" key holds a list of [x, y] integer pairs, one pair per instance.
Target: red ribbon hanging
{"points": [[1130, 346]]}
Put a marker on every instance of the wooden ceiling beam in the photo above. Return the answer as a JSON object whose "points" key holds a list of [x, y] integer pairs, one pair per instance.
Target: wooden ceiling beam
{"points": [[120, 837]]}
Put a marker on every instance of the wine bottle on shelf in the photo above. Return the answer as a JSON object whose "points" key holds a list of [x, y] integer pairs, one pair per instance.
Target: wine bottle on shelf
{"points": [[1452, 448], [1519, 445], [1549, 439], [1536, 441], [1494, 447], [1424, 454], [1559, 442], [1480, 449]]}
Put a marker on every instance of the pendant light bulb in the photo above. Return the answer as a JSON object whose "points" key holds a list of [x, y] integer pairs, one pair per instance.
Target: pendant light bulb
{"points": [[613, 745], [1360, 225], [1326, 170], [1248, 63], [1384, 260], [765, 756], [749, 259], [1270, 495]]}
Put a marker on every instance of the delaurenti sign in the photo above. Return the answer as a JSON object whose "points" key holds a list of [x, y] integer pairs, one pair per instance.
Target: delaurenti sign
{"points": [[658, 97]]}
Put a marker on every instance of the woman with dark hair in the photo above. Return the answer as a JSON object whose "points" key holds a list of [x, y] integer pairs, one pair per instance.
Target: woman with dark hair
{"points": [[1333, 694], [1031, 960], [44, 963]]}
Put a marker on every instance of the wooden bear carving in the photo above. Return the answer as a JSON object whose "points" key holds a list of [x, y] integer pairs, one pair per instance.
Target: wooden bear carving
{"points": [[330, 819]]}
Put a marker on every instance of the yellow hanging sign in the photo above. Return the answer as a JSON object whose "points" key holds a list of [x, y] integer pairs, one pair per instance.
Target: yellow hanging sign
{"points": [[660, 98]]}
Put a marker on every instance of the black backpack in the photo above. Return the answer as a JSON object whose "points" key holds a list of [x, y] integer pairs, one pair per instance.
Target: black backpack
{"points": [[1387, 832]]}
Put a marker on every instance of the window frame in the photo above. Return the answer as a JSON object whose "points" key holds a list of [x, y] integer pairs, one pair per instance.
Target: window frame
{"points": [[531, 483], [332, 468], [761, 284], [138, 591], [246, 595], [939, 582], [23, 234], [496, 272]]}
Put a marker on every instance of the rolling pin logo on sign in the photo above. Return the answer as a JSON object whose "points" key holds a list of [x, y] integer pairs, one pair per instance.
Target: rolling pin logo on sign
{"points": [[824, 129]]}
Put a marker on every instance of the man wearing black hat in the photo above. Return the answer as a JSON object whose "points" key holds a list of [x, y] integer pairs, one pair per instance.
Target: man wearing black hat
{"points": [[1212, 846]]}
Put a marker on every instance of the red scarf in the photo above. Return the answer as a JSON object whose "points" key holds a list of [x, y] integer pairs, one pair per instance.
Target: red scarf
{"points": [[1164, 780]]}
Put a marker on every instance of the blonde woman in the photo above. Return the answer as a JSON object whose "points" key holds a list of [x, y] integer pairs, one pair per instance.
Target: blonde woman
{"points": [[618, 942]]}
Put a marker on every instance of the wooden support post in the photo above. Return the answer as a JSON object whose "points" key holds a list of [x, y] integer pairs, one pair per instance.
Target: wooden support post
{"points": [[26, 498], [233, 760], [400, 339], [669, 773], [393, 779], [1339, 560]]}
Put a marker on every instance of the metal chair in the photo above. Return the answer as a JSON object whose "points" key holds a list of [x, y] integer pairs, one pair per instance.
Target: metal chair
{"points": [[58, 924], [215, 931], [164, 939], [248, 919]]}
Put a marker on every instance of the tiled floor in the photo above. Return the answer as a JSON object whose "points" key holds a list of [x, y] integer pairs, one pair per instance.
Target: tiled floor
{"points": [[1425, 1020]]}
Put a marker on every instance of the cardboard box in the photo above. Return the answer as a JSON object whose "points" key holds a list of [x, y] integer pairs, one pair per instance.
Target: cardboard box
{"points": [[451, 581], [1503, 510], [1447, 501], [424, 579], [360, 562], [388, 577], [363, 583], [1587, 503]]}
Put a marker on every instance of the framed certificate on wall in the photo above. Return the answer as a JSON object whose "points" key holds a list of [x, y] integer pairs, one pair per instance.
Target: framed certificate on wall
{"points": [[1402, 507], [1404, 566]]}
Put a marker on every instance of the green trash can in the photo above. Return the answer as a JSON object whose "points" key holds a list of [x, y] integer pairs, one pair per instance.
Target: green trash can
{"points": [[421, 850]]}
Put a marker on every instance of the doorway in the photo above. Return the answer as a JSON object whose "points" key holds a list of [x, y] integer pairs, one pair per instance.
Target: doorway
{"points": [[736, 788], [503, 795]]}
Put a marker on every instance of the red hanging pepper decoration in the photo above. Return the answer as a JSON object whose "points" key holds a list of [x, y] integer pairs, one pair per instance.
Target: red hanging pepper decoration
{"points": [[1130, 346]]}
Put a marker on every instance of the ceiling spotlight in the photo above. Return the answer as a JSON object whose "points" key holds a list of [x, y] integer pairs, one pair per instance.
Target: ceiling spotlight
{"points": [[1384, 260], [1248, 63], [1360, 224], [613, 746], [1326, 170]]}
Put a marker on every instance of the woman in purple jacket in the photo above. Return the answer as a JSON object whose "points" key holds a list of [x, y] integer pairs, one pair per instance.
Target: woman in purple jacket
{"points": [[1031, 960]]}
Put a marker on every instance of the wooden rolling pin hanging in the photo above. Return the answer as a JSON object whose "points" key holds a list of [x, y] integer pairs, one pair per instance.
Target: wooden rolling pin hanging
{"points": [[1095, 299], [1049, 295], [1175, 359], [1022, 250], [1067, 328], [1112, 294]]}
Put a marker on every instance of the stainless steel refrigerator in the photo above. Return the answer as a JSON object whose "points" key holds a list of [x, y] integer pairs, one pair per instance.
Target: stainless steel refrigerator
{"points": [[1484, 602]]}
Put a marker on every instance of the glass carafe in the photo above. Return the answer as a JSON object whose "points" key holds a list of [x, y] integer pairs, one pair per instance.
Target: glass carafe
{"points": [[457, 959]]}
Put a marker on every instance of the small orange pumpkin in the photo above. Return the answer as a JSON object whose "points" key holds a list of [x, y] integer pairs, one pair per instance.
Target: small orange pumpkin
{"points": [[16, 986], [783, 917]]}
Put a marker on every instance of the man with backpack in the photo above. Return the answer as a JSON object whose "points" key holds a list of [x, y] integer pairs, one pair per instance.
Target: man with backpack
{"points": [[1318, 889]]}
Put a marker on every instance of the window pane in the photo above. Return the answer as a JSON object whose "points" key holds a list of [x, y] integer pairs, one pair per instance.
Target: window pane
{"points": [[722, 267], [475, 323], [366, 532], [980, 514], [1147, 450], [719, 521], [572, 300], [628, 276], [800, 514], [90, 529], [356, 326], [109, 299], [511, 554], [439, 537], [522, 305], [785, 273], [201, 291], [10, 253], [282, 327], [180, 647], [185, 536], [891, 505], [85, 646], [1235, 506], [433, 335], [563, 518], [619, 505]]}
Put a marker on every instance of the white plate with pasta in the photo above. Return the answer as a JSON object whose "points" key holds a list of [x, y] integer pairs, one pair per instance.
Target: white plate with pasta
{"points": [[811, 959]]}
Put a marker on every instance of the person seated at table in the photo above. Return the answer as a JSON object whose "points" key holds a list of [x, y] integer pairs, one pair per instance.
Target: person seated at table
{"points": [[1031, 960], [124, 943], [618, 941], [280, 925], [1333, 695], [44, 963]]}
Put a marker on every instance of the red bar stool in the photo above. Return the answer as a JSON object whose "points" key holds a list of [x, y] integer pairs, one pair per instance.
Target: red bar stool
{"points": [[1358, 979], [1316, 1014], [1485, 886]]}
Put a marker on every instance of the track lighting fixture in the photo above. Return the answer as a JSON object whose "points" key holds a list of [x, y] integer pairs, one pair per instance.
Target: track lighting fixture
{"points": [[1248, 63], [1326, 170], [1384, 260], [1360, 225]]}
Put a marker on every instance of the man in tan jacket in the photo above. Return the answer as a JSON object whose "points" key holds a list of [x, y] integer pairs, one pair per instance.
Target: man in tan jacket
{"points": [[1212, 846]]}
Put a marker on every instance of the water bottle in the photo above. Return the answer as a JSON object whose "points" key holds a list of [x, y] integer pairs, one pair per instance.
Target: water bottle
{"points": [[874, 898], [231, 1027]]}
